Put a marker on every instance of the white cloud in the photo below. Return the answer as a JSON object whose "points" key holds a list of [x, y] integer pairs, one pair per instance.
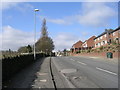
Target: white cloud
{"points": [[84, 33], [64, 21], [7, 5], [57, 21], [13, 39], [64, 41], [23, 7], [95, 14], [91, 14]]}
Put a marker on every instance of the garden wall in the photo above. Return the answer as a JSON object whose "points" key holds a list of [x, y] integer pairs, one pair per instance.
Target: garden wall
{"points": [[98, 54]]}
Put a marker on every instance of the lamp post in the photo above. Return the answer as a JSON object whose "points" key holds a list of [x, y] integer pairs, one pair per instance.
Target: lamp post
{"points": [[35, 10]]}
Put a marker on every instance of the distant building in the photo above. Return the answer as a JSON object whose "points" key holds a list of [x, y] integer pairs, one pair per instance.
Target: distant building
{"points": [[107, 37], [77, 46], [88, 44]]}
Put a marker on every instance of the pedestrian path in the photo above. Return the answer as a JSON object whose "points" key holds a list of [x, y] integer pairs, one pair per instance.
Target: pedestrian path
{"points": [[43, 76], [35, 76]]}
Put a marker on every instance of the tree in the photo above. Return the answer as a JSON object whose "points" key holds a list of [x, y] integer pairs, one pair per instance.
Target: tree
{"points": [[64, 51], [25, 49], [45, 43], [22, 49], [29, 49]]}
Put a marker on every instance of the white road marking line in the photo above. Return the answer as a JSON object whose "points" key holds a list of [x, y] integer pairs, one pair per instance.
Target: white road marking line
{"points": [[106, 71], [82, 63], [72, 59], [94, 57]]}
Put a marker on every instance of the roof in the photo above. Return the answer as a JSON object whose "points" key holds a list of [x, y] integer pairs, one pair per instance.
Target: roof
{"points": [[89, 38], [116, 29], [78, 42], [109, 31], [92, 37]]}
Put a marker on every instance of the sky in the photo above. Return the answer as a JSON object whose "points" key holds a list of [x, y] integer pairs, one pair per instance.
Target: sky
{"points": [[67, 22]]}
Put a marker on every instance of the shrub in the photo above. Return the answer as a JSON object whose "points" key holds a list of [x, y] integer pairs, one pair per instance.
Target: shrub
{"points": [[11, 65], [101, 48], [88, 51]]}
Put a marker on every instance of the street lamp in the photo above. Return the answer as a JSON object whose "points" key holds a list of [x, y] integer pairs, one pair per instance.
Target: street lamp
{"points": [[35, 31]]}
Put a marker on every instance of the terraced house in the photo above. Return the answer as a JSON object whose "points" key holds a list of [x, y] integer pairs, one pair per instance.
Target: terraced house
{"points": [[89, 44], [108, 37]]}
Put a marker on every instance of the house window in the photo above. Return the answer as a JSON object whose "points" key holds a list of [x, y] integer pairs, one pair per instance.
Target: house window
{"points": [[101, 37], [99, 44], [105, 35], [98, 39], [96, 44], [109, 40], [114, 34], [103, 42], [116, 38]]}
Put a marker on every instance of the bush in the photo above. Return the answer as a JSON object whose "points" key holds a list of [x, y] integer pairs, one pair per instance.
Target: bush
{"points": [[88, 51], [101, 48], [11, 65]]}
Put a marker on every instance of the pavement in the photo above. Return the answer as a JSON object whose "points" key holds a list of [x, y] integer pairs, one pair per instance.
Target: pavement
{"points": [[113, 60], [44, 79]]}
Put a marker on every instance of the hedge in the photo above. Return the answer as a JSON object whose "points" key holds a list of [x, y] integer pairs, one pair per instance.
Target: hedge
{"points": [[12, 65]]}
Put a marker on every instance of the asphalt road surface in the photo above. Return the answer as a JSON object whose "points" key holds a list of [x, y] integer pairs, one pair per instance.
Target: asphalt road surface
{"points": [[83, 72]]}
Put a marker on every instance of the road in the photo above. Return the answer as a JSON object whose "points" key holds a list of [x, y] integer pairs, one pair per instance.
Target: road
{"points": [[83, 72], [67, 72]]}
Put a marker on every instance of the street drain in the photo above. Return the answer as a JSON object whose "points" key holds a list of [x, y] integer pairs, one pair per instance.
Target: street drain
{"points": [[68, 70]]}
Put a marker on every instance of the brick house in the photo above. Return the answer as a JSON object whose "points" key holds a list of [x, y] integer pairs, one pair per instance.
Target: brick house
{"points": [[77, 46], [107, 37], [88, 44], [115, 35]]}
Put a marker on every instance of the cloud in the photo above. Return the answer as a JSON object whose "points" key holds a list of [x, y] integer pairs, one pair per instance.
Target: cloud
{"points": [[7, 5], [23, 7], [84, 33], [95, 14], [63, 21], [13, 39], [64, 41], [57, 21]]}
